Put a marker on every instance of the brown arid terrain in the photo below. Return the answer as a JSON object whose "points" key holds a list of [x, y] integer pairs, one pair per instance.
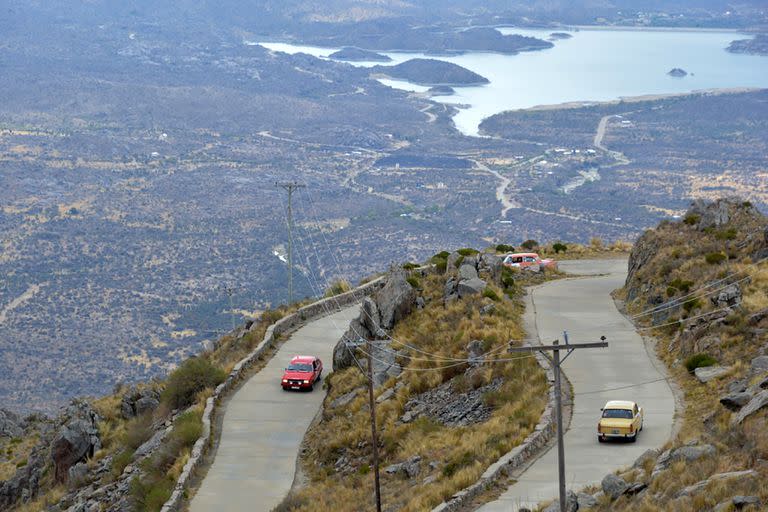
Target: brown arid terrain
{"points": [[700, 286]]}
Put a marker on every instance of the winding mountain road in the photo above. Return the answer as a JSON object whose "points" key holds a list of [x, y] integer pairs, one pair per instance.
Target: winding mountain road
{"points": [[624, 370], [263, 427]]}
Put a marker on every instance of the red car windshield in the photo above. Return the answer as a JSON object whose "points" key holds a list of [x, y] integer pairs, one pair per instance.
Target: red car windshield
{"points": [[617, 413], [300, 367]]}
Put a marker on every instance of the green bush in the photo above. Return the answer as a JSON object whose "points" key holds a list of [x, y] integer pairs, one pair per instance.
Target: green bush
{"points": [[441, 265], [491, 294], [188, 428], [151, 495], [453, 466], [338, 287], [442, 255], [413, 281], [137, 431], [726, 234], [529, 245], [681, 285], [715, 258], [504, 248], [468, 251], [410, 266], [699, 361], [691, 304], [120, 461], [692, 219], [559, 247], [194, 375]]}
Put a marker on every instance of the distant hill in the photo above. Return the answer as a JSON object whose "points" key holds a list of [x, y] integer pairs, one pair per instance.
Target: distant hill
{"points": [[758, 45], [353, 54], [432, 72]]}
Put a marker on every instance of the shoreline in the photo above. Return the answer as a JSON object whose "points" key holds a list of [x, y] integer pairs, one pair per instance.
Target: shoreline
{"points": [[636, 99]]}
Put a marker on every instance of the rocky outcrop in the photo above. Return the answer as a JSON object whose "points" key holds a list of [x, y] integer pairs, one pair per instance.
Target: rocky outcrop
{"points": [[136, 402], [708, 373], [409, 468], [688, 453], [718, 477], [757, 402], [730, 296], [571, 503], [450, 407], [10, 424], [396, 300], [613, 486], [76, 441]]}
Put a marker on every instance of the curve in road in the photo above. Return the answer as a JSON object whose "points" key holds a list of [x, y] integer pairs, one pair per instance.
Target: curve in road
{"points": [[263, 427], [624, 370]]}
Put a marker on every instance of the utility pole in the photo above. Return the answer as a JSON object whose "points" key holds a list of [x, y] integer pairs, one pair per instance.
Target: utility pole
{"points": [[230, 291], [374, 437], [556, 363], [290, 187]]}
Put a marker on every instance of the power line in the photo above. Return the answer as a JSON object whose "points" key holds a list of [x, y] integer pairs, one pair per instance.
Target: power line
{"points": [[290, 187]]}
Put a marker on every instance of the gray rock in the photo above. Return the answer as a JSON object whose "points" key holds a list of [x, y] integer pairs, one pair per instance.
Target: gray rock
{"points": [[420, 303], [737, 386], [467, 271], [343, 356], [77, 475], [487, 309], [712, 214], [471, 287], [586, 501], [149, 446], [571, 503], [146, 404], [344, 399], [207, 346], [450, 290], [386, 395], [649, 454], [370, 317], [708, 373], [613, 486], [719, 477], [757, 402], [636, 488], [475, 352], [10, 424], [735, 401], [409, 468], [742, 501], [453, 258], [395, 300], [136, 402], [490, 265], [730, 296], [76, 441], [428, 480], [759, 364]]}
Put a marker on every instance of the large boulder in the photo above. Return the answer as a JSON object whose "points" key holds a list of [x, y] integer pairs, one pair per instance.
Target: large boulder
{"points": [[490, 265], [395, 300], [467, 271], [711, 214], [613, 486], [757, 402], [371, 318], [759, 364], [730, 296], [688, 453], [571, 503], [735, 401], [471, 287], [10, 424], [708, 373], [136, 402], [76, 441]]}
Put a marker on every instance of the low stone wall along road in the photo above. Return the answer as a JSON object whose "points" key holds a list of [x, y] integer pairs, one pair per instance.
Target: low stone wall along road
{"points": [[263, 427], [585, 308]]}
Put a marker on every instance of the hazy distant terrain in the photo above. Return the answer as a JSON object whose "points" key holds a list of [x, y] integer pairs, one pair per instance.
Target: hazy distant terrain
{"points": [[140, 146]]}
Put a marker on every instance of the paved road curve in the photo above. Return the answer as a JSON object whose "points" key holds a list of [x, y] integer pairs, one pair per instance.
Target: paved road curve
{"points": [[585, 308], [263, 427]]}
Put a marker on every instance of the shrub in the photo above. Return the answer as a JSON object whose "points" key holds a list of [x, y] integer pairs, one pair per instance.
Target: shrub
{"points": [[691, 304], [188, 428], [504, 248], [413, 281], [410, 266], [529, 245], [194, 375], [455, 465], [559, 247], [442, 255], [691, 219], [338, 287], [715, 258], [726, 234], [137, 431], [681, 285], [150, 496], [120, 461], [491, 294], [441, 265], [596, 243], [467, 251], [700, 360]]}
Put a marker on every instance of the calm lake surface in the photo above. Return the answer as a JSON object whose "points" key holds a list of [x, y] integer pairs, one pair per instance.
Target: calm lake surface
{"points": [[594, 65]]}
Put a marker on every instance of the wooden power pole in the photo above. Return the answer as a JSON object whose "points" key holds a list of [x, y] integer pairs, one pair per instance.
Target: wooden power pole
{"points": [[374, 436], [290, 187], [556, 363]]}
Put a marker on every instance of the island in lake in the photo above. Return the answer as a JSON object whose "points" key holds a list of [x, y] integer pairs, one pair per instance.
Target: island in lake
{"points": [[441, 90], [556, 36], [758, 45], [431, 72], [677, 72], [353, 54]]}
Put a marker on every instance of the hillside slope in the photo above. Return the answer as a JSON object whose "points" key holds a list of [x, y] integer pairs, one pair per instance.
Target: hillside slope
{"points": [[701, 287]]}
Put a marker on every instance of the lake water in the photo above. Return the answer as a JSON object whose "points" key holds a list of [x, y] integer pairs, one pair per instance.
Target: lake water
{"points": [[594, 65]]}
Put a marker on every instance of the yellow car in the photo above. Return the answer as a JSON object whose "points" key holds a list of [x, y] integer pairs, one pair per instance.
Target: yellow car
{"points": [[621, 419]]}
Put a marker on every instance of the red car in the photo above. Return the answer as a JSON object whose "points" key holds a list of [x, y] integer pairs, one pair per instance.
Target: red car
{"points": [[529, 261], [302, 373]]}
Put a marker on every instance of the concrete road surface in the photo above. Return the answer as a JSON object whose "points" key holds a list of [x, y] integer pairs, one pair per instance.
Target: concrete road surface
{"points": [[263, 427], [585, 309]]}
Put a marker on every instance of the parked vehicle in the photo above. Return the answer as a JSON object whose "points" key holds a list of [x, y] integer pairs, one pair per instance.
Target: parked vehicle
{"points": [[621, 419], [529, 261], [302, 373]]}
